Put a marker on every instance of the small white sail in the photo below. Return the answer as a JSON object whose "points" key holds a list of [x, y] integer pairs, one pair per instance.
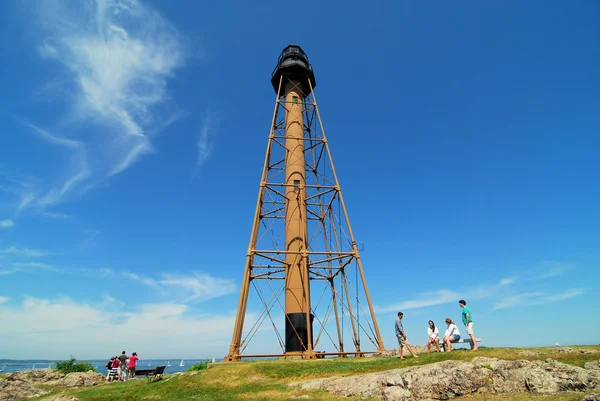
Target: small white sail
{"points": [[168, 363], [213, 360], [181, 363], [33, 368]]}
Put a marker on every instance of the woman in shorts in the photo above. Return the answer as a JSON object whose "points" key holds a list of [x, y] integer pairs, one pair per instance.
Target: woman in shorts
{"points": [[452, 334]]}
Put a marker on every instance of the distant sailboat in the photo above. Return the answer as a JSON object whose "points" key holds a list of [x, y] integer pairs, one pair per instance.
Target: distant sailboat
{"points": [[50, 366], [168, 363], [33, 368], [181, 363], [213, 360]]}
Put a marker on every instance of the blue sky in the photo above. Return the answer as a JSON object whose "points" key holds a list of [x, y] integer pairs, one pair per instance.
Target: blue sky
{"points": [[132, 137]]}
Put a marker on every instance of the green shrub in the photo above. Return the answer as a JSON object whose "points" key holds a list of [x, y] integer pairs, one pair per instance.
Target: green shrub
{"points": [[72, 366], [198, 366]]}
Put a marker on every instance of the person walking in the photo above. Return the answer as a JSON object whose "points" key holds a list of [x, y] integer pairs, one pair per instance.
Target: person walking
{"points": [[401, 335], [451, 335], [467, 319], [433, 336]]}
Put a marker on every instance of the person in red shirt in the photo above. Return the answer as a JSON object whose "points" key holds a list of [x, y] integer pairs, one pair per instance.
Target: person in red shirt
{"points": [[131, 368]]}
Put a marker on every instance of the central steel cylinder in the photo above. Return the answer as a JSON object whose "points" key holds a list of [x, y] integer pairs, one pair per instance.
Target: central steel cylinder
{"points": [[297, 293]]}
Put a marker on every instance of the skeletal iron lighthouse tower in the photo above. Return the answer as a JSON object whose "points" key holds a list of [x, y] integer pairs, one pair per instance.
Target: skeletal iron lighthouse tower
{"points": [[303, 263]]}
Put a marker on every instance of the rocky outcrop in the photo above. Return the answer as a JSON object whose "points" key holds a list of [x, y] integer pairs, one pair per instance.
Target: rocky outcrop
{"points": [[592, 365], [417, 349], [80, 379], [587, 351], [13, 390], [25, 384], [568, 350], [451, 379], [34, 376]]}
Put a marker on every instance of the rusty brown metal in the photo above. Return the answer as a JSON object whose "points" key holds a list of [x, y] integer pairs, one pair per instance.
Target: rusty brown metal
{"points": [[355, 249], [301, 245], [234, 348]]}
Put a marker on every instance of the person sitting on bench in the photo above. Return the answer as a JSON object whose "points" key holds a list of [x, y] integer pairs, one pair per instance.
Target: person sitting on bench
{"points": [[434, 338], [452, 334]]}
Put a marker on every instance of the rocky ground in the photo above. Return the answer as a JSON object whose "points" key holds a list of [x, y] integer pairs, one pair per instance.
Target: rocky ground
{"points": [[26, 384], [452, 379], [422, 349]]}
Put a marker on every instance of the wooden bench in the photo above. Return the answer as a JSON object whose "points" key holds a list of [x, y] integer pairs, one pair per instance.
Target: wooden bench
{"points": [[157, 372], [461, 341]]}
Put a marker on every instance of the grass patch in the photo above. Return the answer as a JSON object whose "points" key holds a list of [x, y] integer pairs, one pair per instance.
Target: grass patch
{"points": [[198, 366], [71, 366], [268, 380]]}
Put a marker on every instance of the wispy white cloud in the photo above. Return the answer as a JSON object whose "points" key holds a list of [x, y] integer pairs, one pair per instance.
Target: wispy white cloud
{"points": [[197, 286], [117, 56], [109, 299], [78, 170], [203, 144], [50, 138], [507, 281], [572, 293], [550, 269], [518, 299], [57, 215], [25, 252], [445, 296], [32, 264], [38, 265], [17, 260], [150, 282], [7, 272], [200, 286], [503, 288], [6, 223], [424, 300], [22, 260], [537, 298]]}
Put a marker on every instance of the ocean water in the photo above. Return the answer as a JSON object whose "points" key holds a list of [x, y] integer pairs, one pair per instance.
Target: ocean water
{"points": [[172, 365]]}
